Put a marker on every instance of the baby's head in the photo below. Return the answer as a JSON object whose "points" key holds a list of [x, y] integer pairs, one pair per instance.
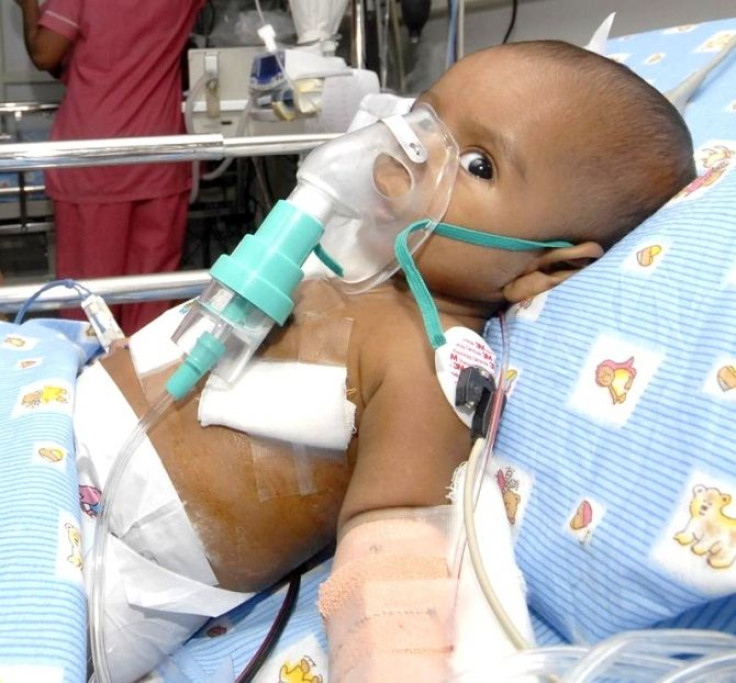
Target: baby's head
{"points": [[556, 143]]}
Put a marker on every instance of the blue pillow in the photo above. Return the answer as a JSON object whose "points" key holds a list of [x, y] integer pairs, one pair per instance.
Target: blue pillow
{"points": [[617, 449], [42, 596], [617, 443], [667, 57]]}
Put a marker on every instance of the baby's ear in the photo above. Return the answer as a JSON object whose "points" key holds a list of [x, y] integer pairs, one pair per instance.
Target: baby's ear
{"points": [[553, 267]]}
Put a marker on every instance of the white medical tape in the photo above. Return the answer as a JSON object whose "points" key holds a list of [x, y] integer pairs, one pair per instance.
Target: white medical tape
{"points": [[147, 513]]}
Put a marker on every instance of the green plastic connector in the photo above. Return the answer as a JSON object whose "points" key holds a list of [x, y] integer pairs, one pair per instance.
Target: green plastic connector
{"points": [[206, 352], [265, 268], [262, 272]]}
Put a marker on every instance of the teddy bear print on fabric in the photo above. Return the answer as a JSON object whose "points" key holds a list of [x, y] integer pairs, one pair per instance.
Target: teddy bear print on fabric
{"points": [[710, 532]]}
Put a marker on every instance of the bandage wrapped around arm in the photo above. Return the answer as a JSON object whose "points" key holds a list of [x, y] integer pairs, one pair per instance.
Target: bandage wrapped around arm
{"points": [[388, 602]]}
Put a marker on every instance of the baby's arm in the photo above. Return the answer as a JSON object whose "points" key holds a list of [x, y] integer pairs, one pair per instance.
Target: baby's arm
{"points": [[388, 601], [410, 441]]}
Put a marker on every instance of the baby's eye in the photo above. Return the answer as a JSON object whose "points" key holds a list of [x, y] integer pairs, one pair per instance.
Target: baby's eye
{"points": [[478, 164]]}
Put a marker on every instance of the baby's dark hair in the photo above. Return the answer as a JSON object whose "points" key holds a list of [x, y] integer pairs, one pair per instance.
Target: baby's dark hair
{"points": [[638, 155]]}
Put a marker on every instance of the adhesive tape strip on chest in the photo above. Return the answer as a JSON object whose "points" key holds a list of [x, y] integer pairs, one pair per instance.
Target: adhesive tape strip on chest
{"points": [[292, 400]]}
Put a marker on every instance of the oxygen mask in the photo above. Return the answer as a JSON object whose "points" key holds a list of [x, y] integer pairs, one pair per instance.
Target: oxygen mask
{"points": [[353, 197], [377, 181]]}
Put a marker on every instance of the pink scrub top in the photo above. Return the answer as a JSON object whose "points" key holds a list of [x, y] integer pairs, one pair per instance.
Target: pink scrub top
{"points": [[123, 79]]}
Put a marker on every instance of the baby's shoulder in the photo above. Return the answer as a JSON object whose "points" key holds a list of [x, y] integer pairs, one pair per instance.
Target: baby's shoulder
{"points": [[389, 342], [386, 320]]}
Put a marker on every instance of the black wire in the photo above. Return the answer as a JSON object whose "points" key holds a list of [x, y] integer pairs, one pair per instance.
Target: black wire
{"points": [[450, 6], [213, 18], [274, 633], [267, 181], [514, 9]]}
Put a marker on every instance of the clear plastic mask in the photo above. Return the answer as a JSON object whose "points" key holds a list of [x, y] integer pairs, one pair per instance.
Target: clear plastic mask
{"points": [[376, 181]]}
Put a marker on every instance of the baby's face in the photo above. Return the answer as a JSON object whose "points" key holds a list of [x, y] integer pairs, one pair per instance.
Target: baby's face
{"points": [[510, 118]]}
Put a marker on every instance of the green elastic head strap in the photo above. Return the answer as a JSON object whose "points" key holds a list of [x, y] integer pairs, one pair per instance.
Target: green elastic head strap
{"points": [[481, 239]]}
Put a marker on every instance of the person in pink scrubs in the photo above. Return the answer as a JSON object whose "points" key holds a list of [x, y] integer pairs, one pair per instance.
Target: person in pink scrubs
{"points": [[120, 63]]}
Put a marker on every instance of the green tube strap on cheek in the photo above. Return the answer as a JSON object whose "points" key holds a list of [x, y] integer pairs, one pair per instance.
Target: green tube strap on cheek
{"points": [[486, 239], [416, 283]]}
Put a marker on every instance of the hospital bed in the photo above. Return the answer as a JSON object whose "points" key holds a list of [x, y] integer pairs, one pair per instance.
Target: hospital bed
{"points": [[659, 307]]}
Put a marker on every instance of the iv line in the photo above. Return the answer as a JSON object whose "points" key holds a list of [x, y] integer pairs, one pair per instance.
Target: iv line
{"points": [[481, 450]]}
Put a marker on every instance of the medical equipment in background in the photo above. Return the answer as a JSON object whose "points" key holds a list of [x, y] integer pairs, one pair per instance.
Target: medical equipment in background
{"points": [[269, 83], [317, 21], [241, 91], [272, 88], [415, 14]]}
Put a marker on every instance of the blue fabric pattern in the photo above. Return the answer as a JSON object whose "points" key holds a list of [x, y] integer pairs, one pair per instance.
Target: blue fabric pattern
{"points": [[624, 487], [666, 57], [224, 647], [43, 633]]}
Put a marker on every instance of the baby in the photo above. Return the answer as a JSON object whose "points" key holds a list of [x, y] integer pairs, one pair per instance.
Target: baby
{"points": [[556, 143]]}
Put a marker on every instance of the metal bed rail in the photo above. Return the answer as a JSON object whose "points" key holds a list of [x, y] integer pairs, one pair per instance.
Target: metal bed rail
{"points": [[27, 228], [28, 189], [155, 149], [169, 148], [11, 116], [21, 108], [115, 290]]}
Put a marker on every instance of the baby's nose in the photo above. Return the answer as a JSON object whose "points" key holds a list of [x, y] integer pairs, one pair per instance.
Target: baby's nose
{"points": [[391, 178]]}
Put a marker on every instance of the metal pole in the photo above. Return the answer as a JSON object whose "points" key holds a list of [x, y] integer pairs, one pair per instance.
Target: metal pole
{"points": [[115, 290], [358, 34], [273, 145], [25, 229], [164, 148], [28, 189], [27, 107]]}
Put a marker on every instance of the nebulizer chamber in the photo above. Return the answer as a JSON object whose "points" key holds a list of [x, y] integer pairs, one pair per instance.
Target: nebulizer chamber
{"points": [[353, 196]]}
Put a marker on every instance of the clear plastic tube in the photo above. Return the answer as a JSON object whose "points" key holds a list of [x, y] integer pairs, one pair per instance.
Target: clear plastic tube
{"points": [[552, 662], [664, 643], [99, 548], [282, 66], [477, 462], [705, 670], [189, 125], [239, 132], [558, 661]]}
